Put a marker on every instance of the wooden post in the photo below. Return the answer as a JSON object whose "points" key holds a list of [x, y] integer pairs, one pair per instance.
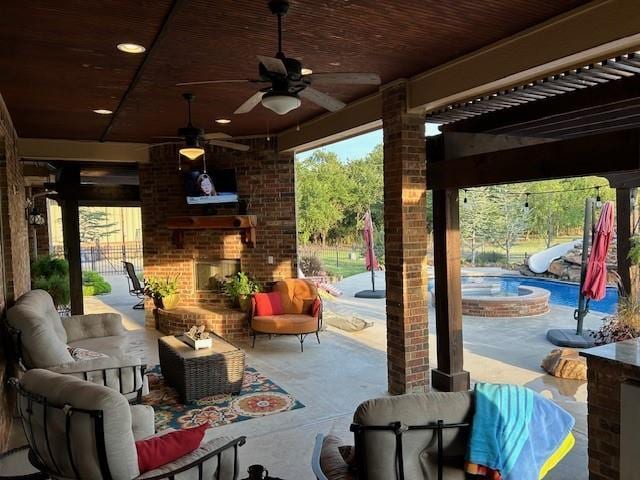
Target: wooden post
{"points": [[449, 375], [626, 219], [71, 234]]}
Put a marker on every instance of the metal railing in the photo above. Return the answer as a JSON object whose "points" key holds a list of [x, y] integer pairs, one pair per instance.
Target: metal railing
{"points": [[107, 259]]}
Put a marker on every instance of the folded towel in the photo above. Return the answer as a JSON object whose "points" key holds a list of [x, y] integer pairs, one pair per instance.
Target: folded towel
{"points": [[516, 434]]}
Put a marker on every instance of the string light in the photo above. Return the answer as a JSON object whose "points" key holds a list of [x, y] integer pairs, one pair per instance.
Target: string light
{"points": [[526, 203], [465, 196], [598, 199]]}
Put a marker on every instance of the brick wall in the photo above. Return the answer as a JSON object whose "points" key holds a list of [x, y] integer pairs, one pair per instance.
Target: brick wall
{"points": [[265, 179], [17, 277], [604, 379], [405, 243]]}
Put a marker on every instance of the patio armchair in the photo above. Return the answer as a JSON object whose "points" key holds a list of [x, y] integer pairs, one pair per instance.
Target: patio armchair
{"points": [[302, 312], [417, 437], [136, 289], [45, 340], [79, 430]]}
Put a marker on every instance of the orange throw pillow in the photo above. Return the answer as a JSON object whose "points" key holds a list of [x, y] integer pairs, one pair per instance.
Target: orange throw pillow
{"points": [[268, 304], [157, 451]]}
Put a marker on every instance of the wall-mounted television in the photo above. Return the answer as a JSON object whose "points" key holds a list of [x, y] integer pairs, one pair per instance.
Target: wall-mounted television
{"points": [[212, 186]]}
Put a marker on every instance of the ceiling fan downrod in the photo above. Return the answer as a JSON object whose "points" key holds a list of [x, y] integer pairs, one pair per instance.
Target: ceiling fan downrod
{"points": [[280, 9]]}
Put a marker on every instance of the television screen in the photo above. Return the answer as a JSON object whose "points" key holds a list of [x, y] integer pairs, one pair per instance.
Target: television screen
{"points": [[213, 186]]}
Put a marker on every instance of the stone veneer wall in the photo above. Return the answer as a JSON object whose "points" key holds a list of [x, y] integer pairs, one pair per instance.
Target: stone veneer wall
{"points": [[15, 239], [604, 379], [265, 179]]}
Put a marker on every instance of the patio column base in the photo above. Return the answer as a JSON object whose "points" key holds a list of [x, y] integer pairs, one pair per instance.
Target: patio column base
{"points": [[450, 382]]}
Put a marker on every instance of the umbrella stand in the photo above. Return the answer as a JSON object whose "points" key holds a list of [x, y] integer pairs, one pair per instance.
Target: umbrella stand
{"points": [[578, 338]]}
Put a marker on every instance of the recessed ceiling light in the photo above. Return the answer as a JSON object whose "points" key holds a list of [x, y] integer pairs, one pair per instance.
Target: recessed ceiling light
{"points": [[131, 48], [103, 111], [306, 71], [223, 120]]}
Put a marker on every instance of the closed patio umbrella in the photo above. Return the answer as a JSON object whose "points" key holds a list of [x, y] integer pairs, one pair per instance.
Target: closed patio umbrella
{"points": [[595, 282], [370, 260]]}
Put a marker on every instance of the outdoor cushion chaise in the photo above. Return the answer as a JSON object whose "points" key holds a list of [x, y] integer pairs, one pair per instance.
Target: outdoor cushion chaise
{"points": [[45, 340], [302, 315], [378, 423], [79, 430]]}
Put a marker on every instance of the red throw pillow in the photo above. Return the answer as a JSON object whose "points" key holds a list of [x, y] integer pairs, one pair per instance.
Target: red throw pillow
{"points": [[157, 451], [268, 304]]}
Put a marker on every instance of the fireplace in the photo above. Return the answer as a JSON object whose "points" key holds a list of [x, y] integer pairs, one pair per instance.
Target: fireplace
{"points": [[209, 274]]}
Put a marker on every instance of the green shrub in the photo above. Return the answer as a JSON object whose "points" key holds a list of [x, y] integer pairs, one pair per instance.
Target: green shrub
{"points": [[94, 284], [311, 265], [52, 275], [490, 258]]}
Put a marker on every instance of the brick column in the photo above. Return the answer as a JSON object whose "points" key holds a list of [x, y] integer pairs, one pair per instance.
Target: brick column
{"points": [[406, 241]]}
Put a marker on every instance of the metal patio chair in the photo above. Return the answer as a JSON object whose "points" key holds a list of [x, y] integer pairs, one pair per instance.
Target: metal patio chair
{"points": [[136, 289]]}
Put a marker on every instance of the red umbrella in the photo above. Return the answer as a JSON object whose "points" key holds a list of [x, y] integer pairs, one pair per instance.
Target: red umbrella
{"points": [[370, 260], [595, 281]]}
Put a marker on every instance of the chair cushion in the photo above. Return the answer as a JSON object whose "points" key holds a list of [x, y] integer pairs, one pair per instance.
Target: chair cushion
{"points": [[297, 295], [332, 463], [160, 450], [43, 337], [60, 390], [285, 324], [113, 346], [142, 421], [268, 304]]}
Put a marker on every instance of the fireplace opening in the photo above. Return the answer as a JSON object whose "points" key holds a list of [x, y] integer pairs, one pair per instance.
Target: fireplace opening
{"points": [[210, 274]]}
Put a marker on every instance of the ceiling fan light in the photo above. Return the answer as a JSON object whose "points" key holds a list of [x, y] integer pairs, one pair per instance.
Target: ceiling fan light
{"points": [[192, 152], [280, 103]]}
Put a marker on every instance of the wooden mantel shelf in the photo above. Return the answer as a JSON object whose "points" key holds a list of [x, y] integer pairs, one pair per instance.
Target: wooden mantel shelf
{"points": [[245, 223]]}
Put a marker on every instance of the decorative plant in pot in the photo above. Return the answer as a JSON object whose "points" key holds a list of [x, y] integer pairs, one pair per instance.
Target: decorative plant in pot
{"points": [[164, 292], [239, 288]]}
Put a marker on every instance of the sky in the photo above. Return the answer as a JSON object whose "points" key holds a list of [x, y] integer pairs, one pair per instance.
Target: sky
{"points": [[358, 147]]}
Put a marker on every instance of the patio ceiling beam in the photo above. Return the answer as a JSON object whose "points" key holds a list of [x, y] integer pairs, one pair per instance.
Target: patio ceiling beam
{"points": [[46, 149], [121, 195], [582, 36], [591, 155], [612, 98]]}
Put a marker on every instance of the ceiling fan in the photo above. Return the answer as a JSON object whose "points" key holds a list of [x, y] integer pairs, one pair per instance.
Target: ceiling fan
{"points": [[288, 83], [194, 137]]}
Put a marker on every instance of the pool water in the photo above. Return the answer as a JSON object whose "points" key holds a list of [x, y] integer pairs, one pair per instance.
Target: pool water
{"points": [[562, 293]]}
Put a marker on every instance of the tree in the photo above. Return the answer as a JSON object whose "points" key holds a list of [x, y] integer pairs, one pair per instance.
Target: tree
{"points": [[475, 219], [507, 215], [95, 225]]}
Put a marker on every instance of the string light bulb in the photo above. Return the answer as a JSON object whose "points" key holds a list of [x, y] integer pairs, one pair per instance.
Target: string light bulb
{"points": [[598, 198], [526, 203]]}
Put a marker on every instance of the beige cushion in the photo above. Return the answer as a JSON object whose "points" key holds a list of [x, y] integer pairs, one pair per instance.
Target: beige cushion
{"points": [[285, 324], [142, 421], [92, 325], [331, 461], [419, 446], [297, 295], [43, 337], [60, 390], [111, 346]]}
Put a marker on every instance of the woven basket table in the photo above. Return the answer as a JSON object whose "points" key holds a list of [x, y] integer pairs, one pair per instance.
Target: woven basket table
{"points": [[200, 373]]}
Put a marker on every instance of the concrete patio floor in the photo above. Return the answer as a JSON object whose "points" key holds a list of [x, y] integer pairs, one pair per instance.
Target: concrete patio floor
{"points": [[332, 378]]}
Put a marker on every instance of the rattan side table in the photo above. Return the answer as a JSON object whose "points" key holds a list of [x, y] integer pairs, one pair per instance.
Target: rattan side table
{"points": [[200, 373]]}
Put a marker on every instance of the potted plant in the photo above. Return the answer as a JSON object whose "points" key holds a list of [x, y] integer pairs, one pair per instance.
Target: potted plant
{"points": [[239, 288], [164, 292]]}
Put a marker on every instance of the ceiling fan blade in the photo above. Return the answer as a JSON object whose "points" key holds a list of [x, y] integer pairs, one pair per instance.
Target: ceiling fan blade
{"points": [[175, 137], [322, 99], [354, 78], [152, 145], [216, 135], [250, 103], [209, 82], [273, 64], [231, 145]]}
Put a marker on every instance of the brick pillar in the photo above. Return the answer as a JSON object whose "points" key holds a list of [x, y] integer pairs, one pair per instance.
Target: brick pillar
{"points": [[406, 241]]}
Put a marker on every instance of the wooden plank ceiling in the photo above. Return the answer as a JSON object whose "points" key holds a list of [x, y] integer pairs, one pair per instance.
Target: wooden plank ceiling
{"points": [[58, 60]]}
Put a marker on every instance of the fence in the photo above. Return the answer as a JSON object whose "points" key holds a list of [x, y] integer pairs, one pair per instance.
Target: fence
{"points": [[107, 259]]}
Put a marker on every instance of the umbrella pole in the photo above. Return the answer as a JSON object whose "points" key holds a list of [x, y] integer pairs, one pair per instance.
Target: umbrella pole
{"points": [[582, 310], [373, 279]]}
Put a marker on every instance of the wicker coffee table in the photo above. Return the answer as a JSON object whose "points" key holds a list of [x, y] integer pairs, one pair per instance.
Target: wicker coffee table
{"points": [[200, 373]]}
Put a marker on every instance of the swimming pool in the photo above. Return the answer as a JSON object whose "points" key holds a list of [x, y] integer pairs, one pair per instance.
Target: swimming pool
{"points": [[562, 293]]}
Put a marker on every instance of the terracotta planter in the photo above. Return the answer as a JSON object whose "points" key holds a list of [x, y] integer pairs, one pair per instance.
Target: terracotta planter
{"points": [[170, 302], [244, 302]]}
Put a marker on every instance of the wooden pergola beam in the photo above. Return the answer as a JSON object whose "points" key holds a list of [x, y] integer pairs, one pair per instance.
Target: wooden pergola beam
{"points": [[593, 155]]}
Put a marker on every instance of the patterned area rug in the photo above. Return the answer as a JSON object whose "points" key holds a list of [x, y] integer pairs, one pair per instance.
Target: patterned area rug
{"points": [[259, 397]]}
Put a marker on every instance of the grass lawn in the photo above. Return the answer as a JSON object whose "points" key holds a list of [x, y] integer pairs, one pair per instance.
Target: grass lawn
{"points": [[345, 267]]}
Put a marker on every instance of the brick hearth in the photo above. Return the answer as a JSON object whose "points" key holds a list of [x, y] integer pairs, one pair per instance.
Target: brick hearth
{"points": [[265, 181]]}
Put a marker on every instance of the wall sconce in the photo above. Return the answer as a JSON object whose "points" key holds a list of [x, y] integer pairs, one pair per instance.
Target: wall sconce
{"points": [[34, 217]]}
